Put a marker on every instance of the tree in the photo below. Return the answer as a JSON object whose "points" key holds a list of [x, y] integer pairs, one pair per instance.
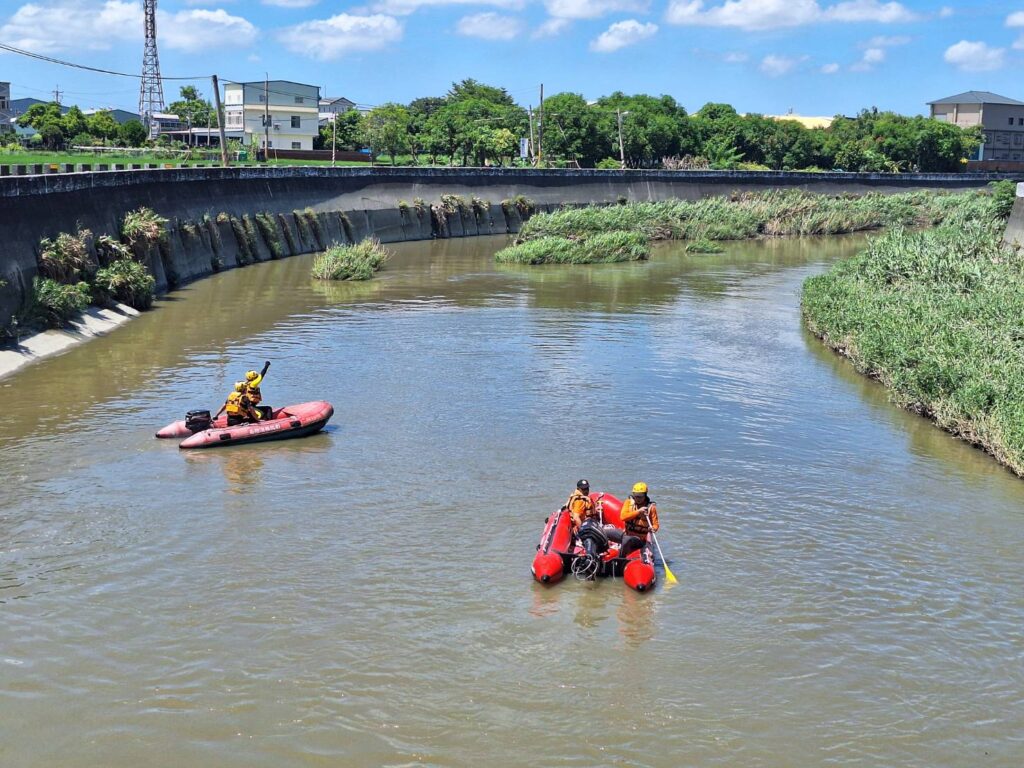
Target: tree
{"points": [[349, 132], [572, 130], [387, 130], [102, 125], [420, 111], [656, 127], [73, 123], [192, 109], [132, 134]]}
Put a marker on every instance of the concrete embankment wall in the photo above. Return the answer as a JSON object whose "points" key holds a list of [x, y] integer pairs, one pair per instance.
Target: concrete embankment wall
{"points": [[202, 202], [1014, 236]]}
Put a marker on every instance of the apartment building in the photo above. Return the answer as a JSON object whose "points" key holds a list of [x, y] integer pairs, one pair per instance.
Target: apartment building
{"points": [[279, 114], [1001, 120], [5, 108]]}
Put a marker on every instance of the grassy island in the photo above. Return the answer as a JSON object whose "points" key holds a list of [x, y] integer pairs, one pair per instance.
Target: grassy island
{"points": [[350, 262], [597, 234], [938, 317]]}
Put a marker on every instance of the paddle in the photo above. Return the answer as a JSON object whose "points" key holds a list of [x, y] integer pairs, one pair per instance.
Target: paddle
{"points": [[669, 576]]}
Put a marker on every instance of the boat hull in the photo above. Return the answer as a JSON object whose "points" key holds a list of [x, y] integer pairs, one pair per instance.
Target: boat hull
{"points": [[284, 424]]}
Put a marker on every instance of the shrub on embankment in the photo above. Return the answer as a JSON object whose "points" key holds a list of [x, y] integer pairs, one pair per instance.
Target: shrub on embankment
{"points": [[601, 248], [938, 318], [350, 262]]}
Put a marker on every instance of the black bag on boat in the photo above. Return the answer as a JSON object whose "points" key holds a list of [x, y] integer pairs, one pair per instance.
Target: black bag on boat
{"points": [[197, 421]]}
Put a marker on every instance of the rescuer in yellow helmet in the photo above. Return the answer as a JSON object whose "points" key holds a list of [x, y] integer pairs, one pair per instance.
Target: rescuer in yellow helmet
{"points": [[237, 406], [639, 515]]}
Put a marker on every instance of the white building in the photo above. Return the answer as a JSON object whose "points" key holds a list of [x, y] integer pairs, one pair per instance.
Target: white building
{"points": [[279, 114]]}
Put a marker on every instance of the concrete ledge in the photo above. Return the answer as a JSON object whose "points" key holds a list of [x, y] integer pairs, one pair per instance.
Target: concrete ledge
{"points": [[93, 322]]}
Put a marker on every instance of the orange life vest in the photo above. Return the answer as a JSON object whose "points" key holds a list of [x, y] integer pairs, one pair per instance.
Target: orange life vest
{"points": [[635, 518]]}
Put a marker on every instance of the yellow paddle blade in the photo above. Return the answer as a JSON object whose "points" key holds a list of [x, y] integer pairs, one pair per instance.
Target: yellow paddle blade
{"points": [[670, 577]]}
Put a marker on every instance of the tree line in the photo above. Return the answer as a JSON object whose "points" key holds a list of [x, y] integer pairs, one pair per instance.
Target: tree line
{"points": [[478, 124], [475, 124]]}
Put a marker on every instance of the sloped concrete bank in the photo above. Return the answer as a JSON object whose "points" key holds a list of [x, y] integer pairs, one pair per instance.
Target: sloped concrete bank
{"points": [[220, 218]]}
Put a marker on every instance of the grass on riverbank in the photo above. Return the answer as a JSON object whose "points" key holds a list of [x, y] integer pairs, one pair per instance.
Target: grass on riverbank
{"points": [[938, 318], [197, 159], [350, 262], [602, 248]]}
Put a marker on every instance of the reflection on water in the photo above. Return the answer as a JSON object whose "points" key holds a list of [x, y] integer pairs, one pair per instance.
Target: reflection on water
{"points": [[850, 590]]}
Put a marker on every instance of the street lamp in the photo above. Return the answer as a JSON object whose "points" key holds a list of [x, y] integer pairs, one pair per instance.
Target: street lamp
{"points": [[622, 152]]}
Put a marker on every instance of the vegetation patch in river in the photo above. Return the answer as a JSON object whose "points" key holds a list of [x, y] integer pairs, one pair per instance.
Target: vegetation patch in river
{"points": [[601, 248], [937, 317], [350, 262]]}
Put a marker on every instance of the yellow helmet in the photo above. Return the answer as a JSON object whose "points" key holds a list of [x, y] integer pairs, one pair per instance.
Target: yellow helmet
{"points": [[640, 488], [239, 386], [250, 375]]}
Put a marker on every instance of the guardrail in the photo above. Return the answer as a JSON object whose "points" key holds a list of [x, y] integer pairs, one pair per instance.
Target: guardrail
{"points": [[41, 169]]}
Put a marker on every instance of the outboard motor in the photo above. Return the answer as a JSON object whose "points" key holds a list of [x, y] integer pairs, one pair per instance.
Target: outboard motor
{"points": [[594, 541], [198, 421]]}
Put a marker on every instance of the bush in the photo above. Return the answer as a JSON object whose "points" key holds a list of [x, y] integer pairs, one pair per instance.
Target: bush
{"points": [[126, 281], [609, 164], [144, 227], [67, 258], [56, 303], [350, 262]]}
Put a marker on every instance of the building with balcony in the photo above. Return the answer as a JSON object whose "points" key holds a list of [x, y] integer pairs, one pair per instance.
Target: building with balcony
{"points": [[1001, 120], [5, 107], [275, 115]]}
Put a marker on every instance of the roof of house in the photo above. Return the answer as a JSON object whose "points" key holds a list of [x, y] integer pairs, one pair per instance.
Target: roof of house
{"points": [[977, 97]]}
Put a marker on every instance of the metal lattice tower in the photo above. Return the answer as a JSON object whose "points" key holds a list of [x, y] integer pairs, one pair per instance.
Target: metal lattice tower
{"points": [[151, 91]]}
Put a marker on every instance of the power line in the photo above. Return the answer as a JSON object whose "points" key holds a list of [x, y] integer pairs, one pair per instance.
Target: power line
{"points": [[63, 63]]}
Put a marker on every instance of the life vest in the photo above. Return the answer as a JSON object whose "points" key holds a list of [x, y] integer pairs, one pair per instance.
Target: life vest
{"points": [[253, 394], [581, 506], [635, 519], [234, 405]]}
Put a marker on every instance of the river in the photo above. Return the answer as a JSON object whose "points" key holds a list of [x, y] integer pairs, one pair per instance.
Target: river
{"points": [[851, 590]]}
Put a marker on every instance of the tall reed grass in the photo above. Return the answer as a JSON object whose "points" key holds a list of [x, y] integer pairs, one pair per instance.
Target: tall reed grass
{"points": [[350, 262]]}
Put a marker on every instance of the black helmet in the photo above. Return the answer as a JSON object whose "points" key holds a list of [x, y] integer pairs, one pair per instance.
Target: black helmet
{"points": [[583, 485]]}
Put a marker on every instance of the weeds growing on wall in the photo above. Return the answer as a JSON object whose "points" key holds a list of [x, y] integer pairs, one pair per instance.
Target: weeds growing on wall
{"points": [[313, 221], [282, 221], [245, 252], [126, 281], [67, 258], [144, 227], [346, 226], [521, 204], [350, 262], [268, 229], [55, 303]]}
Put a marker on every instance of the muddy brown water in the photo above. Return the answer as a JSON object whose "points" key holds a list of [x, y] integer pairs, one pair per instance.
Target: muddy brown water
{"points": [[850, 593]]}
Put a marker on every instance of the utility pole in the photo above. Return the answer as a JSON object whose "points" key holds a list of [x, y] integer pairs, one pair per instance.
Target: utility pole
{"points": [[533, 146], [622, 152], [57, 93], [220, 123], [266, 118], [334, 136], [540, 128]]}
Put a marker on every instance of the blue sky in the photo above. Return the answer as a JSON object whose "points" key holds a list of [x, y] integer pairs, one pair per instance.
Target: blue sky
{"points": [[816, 57]]}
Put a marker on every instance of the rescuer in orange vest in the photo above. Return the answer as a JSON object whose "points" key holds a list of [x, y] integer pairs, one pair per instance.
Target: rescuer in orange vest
{"points": [[580, 505], [639, 515], [238, 407]]}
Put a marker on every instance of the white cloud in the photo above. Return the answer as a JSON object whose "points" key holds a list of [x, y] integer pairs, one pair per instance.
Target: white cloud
{"points": [[327, 39], [975, 56], [945, 12], [829, 69], [283, 3], [881, 41], [593, 9], [201, 30], [735, 57], [622, 34], [405, 7], [58, 25], [868, 60], [1015, 19], [775, 14], [46, 27], [489, 26], [551, 28], [870, 10], [776, 66]]}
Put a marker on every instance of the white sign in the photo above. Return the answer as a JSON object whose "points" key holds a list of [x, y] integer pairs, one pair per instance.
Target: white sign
{"points": [[524, 148]]}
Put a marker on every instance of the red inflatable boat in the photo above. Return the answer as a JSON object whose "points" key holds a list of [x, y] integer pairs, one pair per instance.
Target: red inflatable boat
{"points": [[281, 424], [591, 554]]}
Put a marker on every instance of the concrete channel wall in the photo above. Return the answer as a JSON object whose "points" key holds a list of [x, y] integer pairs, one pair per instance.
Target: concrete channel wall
{"points": [[210, 210], [1014, 236]]}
